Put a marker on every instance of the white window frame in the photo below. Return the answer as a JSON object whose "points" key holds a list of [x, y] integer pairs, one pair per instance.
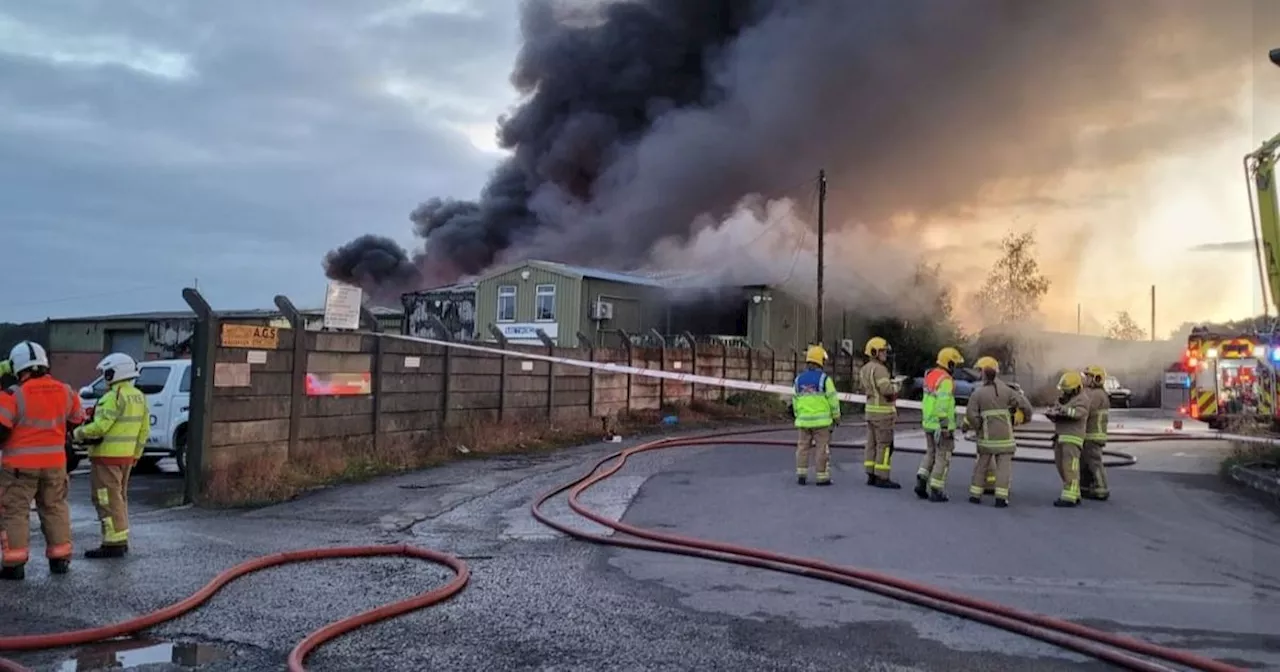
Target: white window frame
{"points": [[541, 291], [505, 292]]}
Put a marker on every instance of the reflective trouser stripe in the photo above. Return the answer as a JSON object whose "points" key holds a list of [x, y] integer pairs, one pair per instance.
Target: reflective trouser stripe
{"points": [[15, 451], [1071, 492]]}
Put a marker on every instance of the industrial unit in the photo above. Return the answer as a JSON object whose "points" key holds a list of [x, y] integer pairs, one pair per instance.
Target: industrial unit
{"points": [[564, 300], [76, 344]]}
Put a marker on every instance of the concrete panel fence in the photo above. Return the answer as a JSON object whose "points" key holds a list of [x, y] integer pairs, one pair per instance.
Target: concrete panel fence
{"points": [[263, 395]]}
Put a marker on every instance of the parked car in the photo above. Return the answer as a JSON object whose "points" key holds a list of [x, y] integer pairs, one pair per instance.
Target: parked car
{"points": [[167, 386], [966, 378], [1121, 397]]}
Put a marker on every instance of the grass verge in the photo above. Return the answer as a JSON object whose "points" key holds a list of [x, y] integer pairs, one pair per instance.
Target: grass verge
{"points": [[269, 478]]}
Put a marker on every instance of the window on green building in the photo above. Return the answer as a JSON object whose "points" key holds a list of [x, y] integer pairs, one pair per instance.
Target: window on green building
{"points": [[545, 304], [506, 303]]}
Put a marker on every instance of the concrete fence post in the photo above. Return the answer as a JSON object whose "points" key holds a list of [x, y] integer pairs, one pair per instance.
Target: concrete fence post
{"points": [[370, 322], [723, 371], [626, 344], [773, 362], [551, 372], [662, 366], [298, 385], [693, 368], [204, 345], [446, 388], [585, 342], [502, 371]]}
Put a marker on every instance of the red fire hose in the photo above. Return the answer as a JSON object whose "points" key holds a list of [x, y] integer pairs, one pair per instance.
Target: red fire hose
{"points": [[1039, 627], [1088, 641], [299, 653]]}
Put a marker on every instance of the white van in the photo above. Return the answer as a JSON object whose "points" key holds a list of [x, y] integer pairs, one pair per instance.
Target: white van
{"points": [[167, 384]]}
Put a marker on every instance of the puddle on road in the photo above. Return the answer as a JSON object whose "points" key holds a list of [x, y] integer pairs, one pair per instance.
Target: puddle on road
{"points": [[128, 654]]}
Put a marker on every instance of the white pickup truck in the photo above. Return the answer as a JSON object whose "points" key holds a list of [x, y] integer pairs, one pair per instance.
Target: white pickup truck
{"points": [[167, 384]]}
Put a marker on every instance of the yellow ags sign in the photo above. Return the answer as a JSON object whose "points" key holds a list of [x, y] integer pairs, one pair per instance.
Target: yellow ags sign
{"points": [[250, 336]]}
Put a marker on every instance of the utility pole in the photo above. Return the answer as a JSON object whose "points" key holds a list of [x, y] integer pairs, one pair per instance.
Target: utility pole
{"points": [[822, 251], [1078, 318], [1153, 312]]}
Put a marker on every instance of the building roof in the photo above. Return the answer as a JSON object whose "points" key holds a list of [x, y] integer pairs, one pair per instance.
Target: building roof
{"points": [[254, 313], [457, 287], [641, 277]]}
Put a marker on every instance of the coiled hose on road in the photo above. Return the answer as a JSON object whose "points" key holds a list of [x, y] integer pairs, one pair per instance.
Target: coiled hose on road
{"points": [[299, 653], [1089, 641], [1044, 628]]}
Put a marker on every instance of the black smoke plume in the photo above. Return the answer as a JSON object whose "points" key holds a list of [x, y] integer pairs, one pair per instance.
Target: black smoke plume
{"points": [[639, 116]]}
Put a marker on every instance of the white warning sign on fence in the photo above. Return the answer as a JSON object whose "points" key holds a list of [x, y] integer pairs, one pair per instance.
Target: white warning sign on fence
{"points": [[342, 306]]}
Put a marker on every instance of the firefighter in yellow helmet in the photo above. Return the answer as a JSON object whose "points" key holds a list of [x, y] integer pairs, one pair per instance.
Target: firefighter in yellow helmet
{"points": [[817, 410], [991, 415], [1069, 417], [938, 418], [1093, 476], [880, 413]]}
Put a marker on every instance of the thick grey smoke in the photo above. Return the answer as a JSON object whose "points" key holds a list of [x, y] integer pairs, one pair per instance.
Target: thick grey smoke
{"points": [[648, 120]]}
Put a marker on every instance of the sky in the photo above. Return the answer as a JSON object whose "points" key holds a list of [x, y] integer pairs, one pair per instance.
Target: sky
{"points": [[147, 146]]}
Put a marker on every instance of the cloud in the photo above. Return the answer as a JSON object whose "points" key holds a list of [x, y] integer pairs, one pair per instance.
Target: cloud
{"points": [[148, 144], [1231, 246]]}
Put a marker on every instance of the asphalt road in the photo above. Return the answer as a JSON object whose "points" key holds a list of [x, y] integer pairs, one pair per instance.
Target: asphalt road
{"points": [[1175, 557]]}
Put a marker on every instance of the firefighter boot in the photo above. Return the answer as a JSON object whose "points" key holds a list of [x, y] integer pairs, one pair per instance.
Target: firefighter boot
{"points": [[1065, 504], [938, 496], [888, 484], [107, 551], [801, 479], [1002, 503], [922, 486], [871, 479], [974, 499], [13, 573], [59, 565]]}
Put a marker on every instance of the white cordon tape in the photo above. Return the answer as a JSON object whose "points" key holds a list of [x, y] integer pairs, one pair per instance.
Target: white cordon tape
{"points": [[612, 367]]}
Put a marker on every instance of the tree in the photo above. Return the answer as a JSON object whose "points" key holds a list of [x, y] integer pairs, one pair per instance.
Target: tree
{"points": [[1015, 286], [1124, 328]]}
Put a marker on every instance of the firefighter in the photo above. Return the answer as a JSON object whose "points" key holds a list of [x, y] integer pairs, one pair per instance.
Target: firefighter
{"points": [[1093, 476], [880, 413], [990, 414], [117, 435], [7, 379], [33, 461], [938, 418], [1069, 417], [817, 410]]}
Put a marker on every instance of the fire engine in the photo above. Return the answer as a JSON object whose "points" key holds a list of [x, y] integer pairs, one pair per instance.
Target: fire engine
{"points": [[1231, 376], [1235, 374]]}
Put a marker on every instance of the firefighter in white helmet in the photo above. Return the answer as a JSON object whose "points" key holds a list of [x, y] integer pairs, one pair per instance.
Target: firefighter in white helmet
{"points": [[117, 435], [34, 415], [817, 410]]}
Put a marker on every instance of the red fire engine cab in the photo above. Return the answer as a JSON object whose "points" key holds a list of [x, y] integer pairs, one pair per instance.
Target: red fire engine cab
{"points": [[1231, 376]]}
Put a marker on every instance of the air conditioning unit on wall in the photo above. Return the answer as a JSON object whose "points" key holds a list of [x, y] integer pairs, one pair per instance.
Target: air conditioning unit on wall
{"points": [[602, 310]]}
